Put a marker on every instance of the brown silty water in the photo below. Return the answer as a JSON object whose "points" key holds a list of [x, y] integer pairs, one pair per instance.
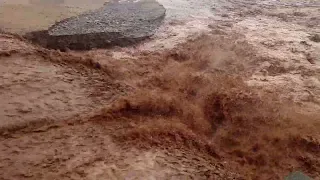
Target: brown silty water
{"points": [[21, 16]]}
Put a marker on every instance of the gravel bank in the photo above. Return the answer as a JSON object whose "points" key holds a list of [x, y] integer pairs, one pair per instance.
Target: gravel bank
{"points": [[117, 23]]}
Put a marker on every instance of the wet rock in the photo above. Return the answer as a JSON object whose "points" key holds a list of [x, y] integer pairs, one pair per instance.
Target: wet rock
{"points": [[315, 38], [116, 23]]}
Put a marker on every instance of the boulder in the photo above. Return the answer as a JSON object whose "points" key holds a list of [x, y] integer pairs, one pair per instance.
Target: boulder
{"points": [[120, 22]]}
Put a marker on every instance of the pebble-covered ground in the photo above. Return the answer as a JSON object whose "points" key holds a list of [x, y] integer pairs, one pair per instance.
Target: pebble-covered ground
{"points": [[116, 22]]}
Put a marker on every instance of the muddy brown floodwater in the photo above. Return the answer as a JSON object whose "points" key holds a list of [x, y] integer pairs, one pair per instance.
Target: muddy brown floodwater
{"points": [[21, 16], [225, 89]]}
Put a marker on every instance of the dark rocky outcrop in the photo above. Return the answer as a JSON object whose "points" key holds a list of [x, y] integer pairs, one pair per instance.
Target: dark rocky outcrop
{"points": [[117, 23]]}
